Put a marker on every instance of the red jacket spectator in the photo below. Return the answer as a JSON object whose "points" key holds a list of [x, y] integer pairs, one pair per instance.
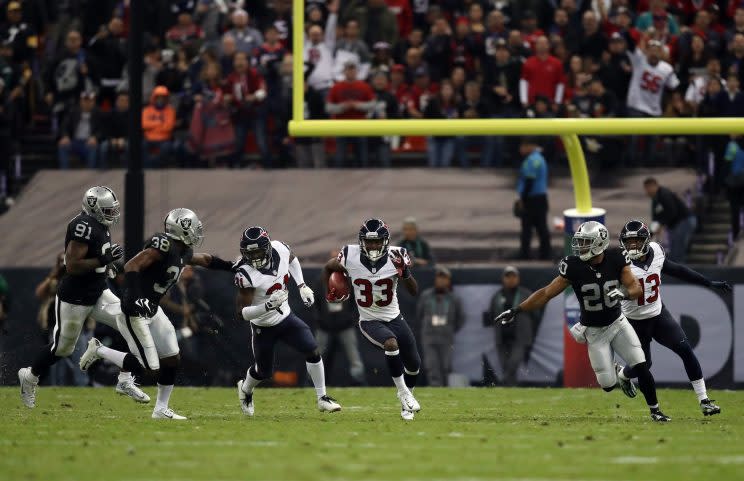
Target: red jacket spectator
{"points": [[246, 86], [404, 15], [350, 98], [542, 74]]}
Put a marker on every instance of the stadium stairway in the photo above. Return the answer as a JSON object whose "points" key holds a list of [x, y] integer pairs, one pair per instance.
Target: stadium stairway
{"points": [[710, 244]]}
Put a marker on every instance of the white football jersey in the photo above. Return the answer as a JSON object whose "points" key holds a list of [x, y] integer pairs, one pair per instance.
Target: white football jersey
{"points": [[649, 275], [375, 284], [266, 281], [648, 82]]}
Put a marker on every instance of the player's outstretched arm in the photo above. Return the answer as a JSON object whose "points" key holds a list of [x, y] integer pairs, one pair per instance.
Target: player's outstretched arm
{"points": [[210, 261], [682, 272], [537, 300], [295, 270]]}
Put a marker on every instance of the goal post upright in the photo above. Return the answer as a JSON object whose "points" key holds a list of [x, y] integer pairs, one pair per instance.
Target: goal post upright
{"points": [[298, 62]]}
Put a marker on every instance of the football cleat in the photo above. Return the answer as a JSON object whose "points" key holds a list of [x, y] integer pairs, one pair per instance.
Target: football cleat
{"points": [[625, 384], [406, 415], [28, 387], [659, 416], [408, 402], [90, 355], [709, 408], [166, 413], [131, 389], [328, 404], [246, 400]]}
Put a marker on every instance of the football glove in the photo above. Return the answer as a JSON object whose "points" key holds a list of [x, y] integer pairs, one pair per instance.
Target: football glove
{"points": [[276, 300], [332, 297], [507, 317], [578, 332], [400, 264], [307, 295], [618, 294], [141, 308], [113, 253], [722, 286]]}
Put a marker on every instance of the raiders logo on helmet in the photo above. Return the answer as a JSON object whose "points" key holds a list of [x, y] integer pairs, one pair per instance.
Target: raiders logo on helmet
{"points": [[603, 234], [91, 200], [185, 223]]}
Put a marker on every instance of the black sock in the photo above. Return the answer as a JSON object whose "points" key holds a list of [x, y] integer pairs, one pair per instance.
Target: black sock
{"points": [[394, 362], [629, 372], [167, 375], [410, 378], [43, 361], [690, 360], [646, 384], [132, 365]]}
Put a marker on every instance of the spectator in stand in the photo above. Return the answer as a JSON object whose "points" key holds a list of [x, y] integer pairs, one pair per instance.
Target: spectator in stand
{"points": [[415, 40], [158, 123], [738, 25], [670, 212], [414, 61], [473, 107], [677, 150], [22, 36], [381, 59], [438, 50], [351, 99], [310, 151], [377, 23], [80, 132], [386, 107], [185, 31], [699, 83], [533, 198], [604, 104], [495, 30], [319, 54], [248, 91], [403, 14], [171, 74], [351, 43], [694, 62], [116, 130], [651, 76], [268, 60], [210, 17], [542, 74], [440, 316], [416, 245], [227, 51], [248, 39], [617, 70], [529, 28], [735, 60], [593, 42], [108, 57], [701, 28], [657, 12], [211, 130], [457, 79], [561, 28], [420, 94], [715, 103], [463, 49], [441, 150], [68, 75], [736, 97], [735, 183]]}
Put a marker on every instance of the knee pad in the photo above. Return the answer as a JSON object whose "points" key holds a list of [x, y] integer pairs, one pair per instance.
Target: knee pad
{"points": [[607, 379]]}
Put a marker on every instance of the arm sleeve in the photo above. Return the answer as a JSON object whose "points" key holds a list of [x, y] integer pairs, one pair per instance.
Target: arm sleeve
{"points": [[684, 273], [527, 187], [330, 32], [295, 270], [252, 312]]}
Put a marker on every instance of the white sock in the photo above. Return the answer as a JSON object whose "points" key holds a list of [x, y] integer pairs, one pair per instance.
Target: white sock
{"points": [[32, 377], [699, 387], [655, 406], [317, 374], [124, 376], [250, 382], [116, 357], [621, 375], [164, 393], [400, 383]]}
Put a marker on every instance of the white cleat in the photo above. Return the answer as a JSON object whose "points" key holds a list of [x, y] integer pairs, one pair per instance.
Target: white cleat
{"points": [[130, 388], [166, 413], [90, 355], [328, 404], [246, 400], [408, 402], [406, 415], [28, 387]]}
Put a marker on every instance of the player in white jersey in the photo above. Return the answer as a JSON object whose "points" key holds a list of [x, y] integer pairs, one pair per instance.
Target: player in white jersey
{"points": [[374, 269], [647, 314], [262, 277]]}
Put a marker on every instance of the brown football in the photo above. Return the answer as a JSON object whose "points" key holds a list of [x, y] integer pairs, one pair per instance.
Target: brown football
{"points": [[338, 281]]}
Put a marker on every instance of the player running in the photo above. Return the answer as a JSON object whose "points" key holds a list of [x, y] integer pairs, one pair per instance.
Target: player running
{"points": [[600, 278], [262, 278], [147, 330], [82, 291], [374, 269], [647, 314]]}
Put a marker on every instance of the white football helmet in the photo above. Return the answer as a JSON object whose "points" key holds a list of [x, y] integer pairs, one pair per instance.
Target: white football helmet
{"points": [[183, 224], [590, 240], [101, 203]]}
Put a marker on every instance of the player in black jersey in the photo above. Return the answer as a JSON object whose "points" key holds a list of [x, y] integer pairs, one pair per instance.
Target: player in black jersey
{"points": [[82, 291], [148, 331], [600, 278]]}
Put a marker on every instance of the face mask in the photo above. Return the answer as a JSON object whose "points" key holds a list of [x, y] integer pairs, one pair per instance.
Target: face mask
{"points": [[160, 103]]}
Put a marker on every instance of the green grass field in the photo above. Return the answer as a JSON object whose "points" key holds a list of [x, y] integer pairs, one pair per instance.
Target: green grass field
{"points": [[469, 434]]}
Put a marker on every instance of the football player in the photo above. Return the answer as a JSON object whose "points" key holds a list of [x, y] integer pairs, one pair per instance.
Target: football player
{"points": [[82, 291], [647, 314], [600, 278], [147, 330], [262, 278], [374, 269]]}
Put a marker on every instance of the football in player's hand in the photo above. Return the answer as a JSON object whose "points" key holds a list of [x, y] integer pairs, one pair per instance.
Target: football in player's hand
{"points": [[338, 284]]}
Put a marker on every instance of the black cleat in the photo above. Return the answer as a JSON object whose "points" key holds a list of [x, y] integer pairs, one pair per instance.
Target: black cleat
{"points": [[625, 384], [709, 408], [659, 416]]}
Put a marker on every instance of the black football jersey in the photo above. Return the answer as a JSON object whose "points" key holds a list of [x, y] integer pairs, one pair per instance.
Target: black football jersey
{"points": [[85, 289], [160, 276], [592, 283]]}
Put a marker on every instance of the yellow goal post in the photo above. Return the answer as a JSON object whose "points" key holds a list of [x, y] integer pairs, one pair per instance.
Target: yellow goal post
{"points": [[567, 129]]}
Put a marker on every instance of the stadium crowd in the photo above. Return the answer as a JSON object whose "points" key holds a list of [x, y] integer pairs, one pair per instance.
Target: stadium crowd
{"points": [[216, 71]]}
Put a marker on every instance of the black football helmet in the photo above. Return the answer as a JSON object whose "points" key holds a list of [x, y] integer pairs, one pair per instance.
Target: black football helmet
{"points": [[634, 238], [374, 238], [255, 247]]}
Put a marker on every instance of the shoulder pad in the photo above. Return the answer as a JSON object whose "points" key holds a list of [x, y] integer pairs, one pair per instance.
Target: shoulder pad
{"points": [[243, 279], [563, 265]]}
